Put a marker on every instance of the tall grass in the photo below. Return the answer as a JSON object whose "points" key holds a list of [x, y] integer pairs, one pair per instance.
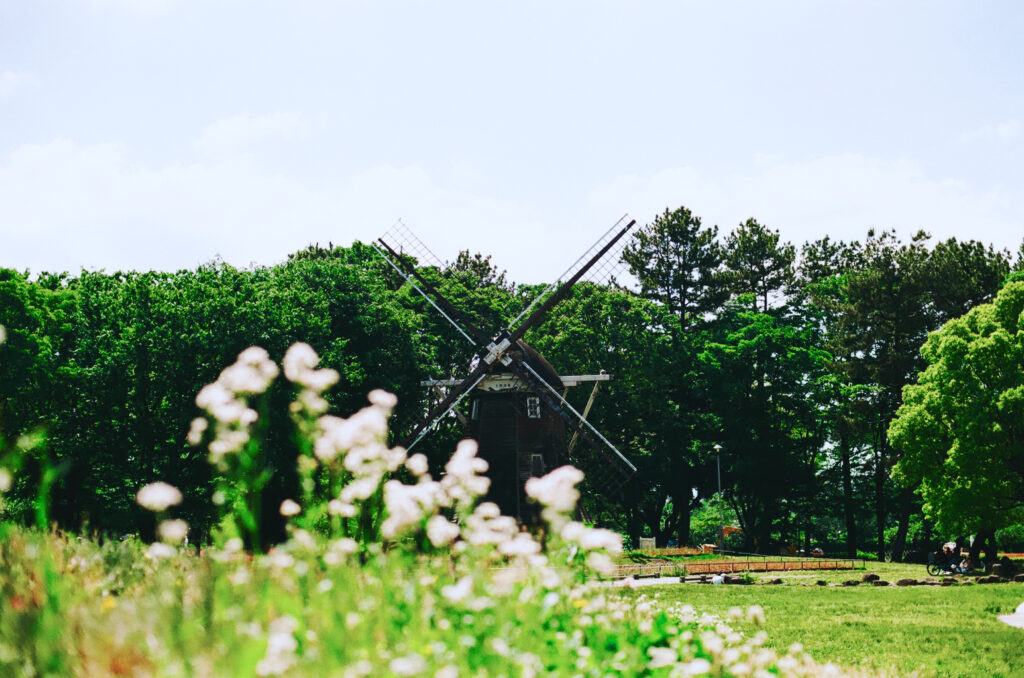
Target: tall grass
{"points": [[378, 576]]}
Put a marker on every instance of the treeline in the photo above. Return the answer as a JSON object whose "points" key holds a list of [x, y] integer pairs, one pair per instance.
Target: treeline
{"points": [[108, 367], [792, 361]]}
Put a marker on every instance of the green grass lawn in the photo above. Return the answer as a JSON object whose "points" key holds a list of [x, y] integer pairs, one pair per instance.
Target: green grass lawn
{"points": [[922, 630]]}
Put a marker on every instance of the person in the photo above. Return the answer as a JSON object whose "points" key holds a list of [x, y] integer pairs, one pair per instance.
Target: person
{"points": [[949, 559], [953, 559]]}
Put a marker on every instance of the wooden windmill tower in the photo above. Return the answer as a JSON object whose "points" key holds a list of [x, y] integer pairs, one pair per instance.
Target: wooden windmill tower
{"points": [[517, 413]]}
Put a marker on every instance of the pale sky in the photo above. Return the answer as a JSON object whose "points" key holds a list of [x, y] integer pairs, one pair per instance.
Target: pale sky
{"points": [[159, 134]]}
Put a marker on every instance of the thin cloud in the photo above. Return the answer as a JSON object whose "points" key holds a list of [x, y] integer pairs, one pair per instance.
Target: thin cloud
{"points": [[240, 133], [841, 196], [1002, 131], [133, 6], [66, 205], [13, 81]]}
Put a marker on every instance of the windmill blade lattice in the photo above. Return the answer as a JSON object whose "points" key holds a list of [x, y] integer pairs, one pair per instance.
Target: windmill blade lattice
{"points": [[401, 240], [604, 271], [404, 241]]}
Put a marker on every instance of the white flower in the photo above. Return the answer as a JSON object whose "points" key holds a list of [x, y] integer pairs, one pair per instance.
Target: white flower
{"points": [[337, 507], [196, 430], [318, 381], [6, 479], [573, 531], [213, 395], [299, 358], [601, 563], [698, 667], [338, 549], [522, 545], [173, 531], [661, 656], [281, 560], [158, 550], [407, 505], [599, 538], [409, 665], [383, 399], [299, 363], [488, 510], [158, 496], [227, 441], [251, 373], [458, 591], [359, 489], [755, 615], [304, 539], [311, 401], [557, 490], [462, 482], [281, 646], [441, 531], [481, 529], [239, 577], [290, 508], [417, 464]]}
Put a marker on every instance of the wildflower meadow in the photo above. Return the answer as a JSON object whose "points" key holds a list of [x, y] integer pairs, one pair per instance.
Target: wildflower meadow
{"points": [[385, 570]]}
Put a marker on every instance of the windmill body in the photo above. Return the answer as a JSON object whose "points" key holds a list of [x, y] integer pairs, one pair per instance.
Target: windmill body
{"points": [[518, 436], [516, 412]]}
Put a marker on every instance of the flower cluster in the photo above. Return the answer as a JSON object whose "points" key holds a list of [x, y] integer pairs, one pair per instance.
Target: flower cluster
{"points": [[226, 402], [158, 496]]}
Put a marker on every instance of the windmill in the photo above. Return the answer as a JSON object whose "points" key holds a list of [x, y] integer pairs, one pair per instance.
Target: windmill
{"points": [[516, 413]]}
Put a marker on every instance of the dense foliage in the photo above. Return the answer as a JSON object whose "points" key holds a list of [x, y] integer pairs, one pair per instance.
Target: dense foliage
{"points": [[792, 360], [961, 426]]}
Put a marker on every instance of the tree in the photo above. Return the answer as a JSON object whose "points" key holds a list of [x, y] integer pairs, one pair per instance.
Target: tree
{"points": [[820, 291], [887, 304], [965, 275], [758, 264], [678, 263], [766, 375], [961, 425]]}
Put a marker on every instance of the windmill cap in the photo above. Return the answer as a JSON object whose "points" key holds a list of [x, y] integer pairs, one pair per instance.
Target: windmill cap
{"points": [[540, 365]]}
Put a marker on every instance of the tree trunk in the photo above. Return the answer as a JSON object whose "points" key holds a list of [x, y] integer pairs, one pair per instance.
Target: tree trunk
{"points": [[683, 517], [635, 526], [899, 543], [848, 517], [879, 503], [991, 552]]}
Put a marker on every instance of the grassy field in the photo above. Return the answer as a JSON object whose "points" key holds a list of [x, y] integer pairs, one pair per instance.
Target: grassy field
{"points": [[923, 630]]}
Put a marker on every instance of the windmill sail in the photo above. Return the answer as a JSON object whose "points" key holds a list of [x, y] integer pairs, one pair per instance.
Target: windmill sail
{"points": [[507, 367]]}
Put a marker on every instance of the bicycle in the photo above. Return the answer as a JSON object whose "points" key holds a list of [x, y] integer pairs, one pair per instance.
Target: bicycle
{"points": [[938, 565]]}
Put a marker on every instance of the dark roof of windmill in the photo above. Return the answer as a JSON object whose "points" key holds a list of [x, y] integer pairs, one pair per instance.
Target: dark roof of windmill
{"points": [[540, 365]]}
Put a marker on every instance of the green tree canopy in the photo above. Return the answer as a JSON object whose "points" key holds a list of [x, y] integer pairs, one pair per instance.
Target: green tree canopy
{"points": [[961, 426]]}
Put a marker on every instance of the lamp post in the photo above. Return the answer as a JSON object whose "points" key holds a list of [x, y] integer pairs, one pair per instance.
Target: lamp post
{"points": [[721, 518]]}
